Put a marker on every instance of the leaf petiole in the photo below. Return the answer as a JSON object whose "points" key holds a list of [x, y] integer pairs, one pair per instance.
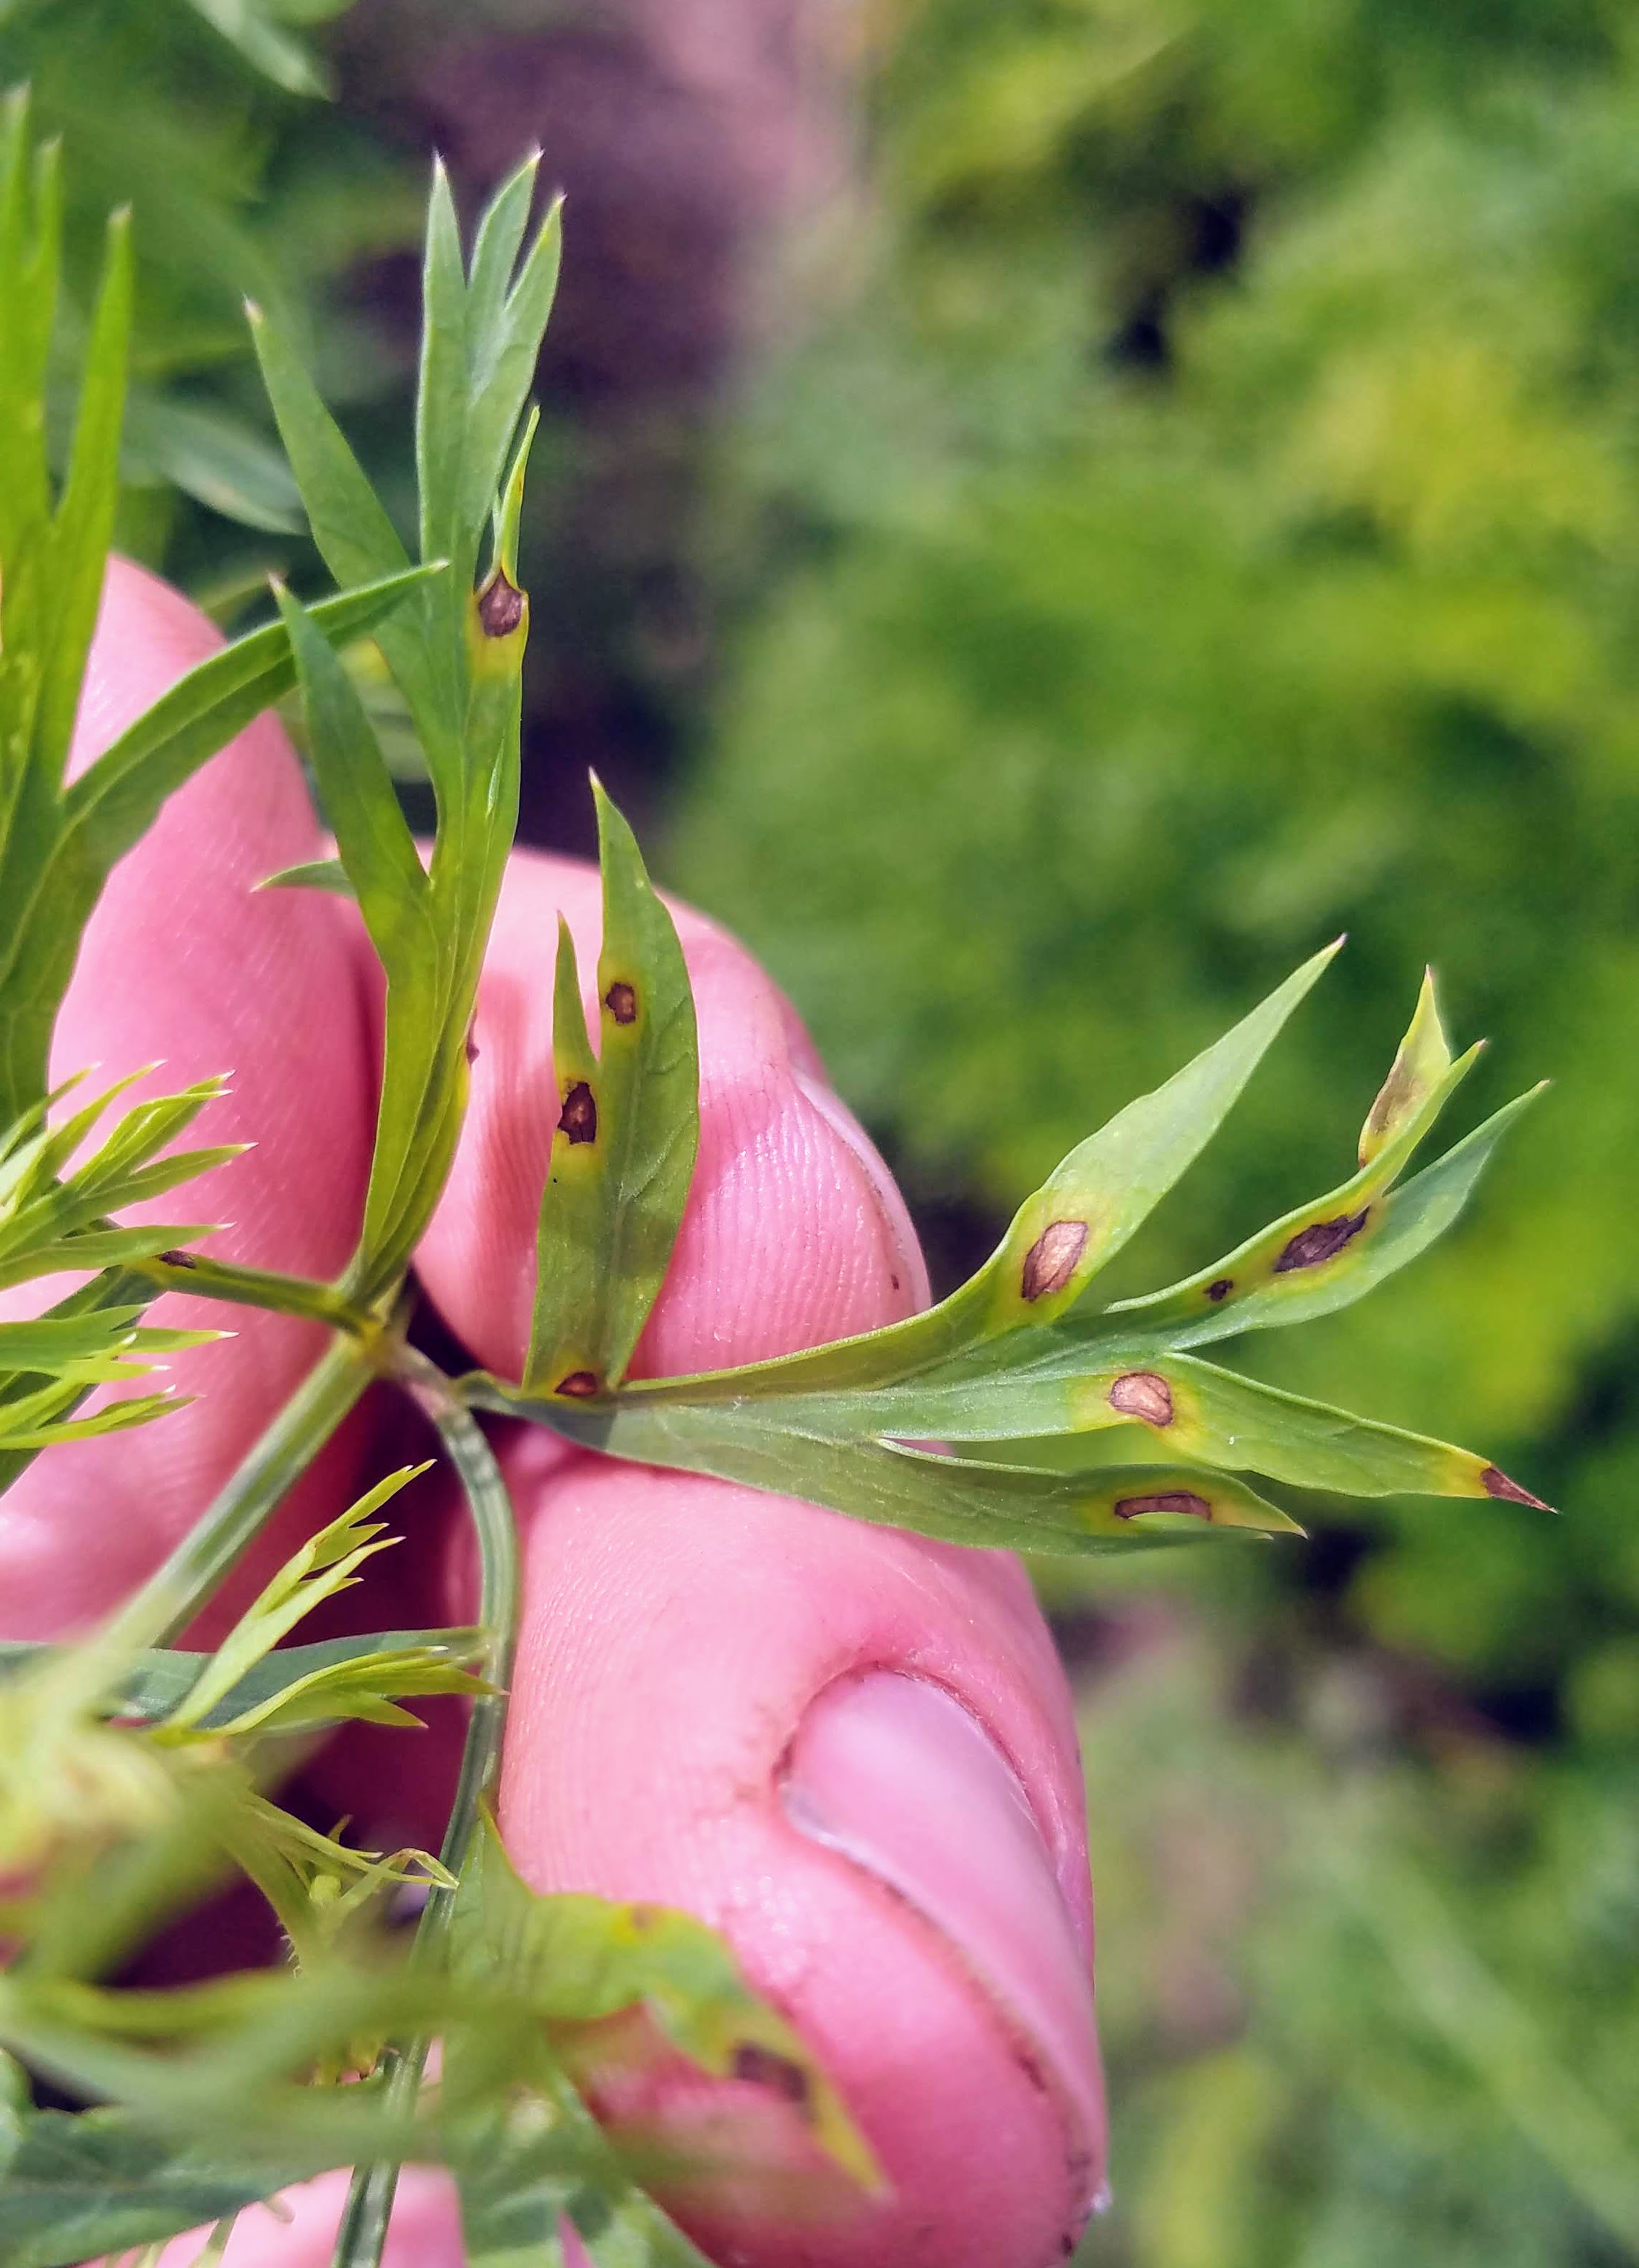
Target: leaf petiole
{"points": [[261, 1287]]}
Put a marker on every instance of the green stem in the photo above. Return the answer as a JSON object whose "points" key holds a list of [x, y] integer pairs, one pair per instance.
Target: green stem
{"points": [[363, 2230], [258, 1287], [169, 1601]]}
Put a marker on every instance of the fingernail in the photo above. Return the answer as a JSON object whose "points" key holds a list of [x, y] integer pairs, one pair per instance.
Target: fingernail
{"points": [[893, 1773], [910, 1270]]}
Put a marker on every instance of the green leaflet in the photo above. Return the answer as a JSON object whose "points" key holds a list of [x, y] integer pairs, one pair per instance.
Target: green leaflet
{"points": [[1105, 1187], [156, 1681], [365, 1689], [1194, 1410], [394, 897], [320, 1889], [1416, 1075], [1406, 1224], [201, 2132], [40, 1420], [49, 1224], [482, 335], [625, 1145], [327, 875], [79, 2187], [1319, 1235], [91, 1348], [1191, 1411], [355, 537], [456, 655], [112, 802], [1039, 1394], [71, 589], [961, 1500], [1018, 1392], [31, 228], [255, 30], [220, 459], [326, 1563], [525, 2170], [223, 2065], [34, 1408]]}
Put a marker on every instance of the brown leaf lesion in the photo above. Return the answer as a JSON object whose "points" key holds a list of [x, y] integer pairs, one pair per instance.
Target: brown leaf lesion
{"points": [[1321, 1241], [578, 1119], [1184, 1500], [1143, 1394], [762, 2067], [500, 607], [1052, 1259]]}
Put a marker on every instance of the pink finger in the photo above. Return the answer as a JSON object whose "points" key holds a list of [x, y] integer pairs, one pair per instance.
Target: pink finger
{"points": [[187, 964], [850, 1751], [849, 1748], [298, 2229]]}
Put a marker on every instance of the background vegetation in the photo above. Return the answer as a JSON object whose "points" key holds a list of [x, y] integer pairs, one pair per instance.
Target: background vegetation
{"points": [[1157, 487]]}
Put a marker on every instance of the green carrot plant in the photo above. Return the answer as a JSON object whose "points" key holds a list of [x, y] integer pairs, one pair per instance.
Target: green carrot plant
{"points": [[135, 1775]]}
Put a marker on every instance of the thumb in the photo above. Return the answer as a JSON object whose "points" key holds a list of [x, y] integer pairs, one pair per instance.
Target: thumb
{"points": [[849, 1750]]}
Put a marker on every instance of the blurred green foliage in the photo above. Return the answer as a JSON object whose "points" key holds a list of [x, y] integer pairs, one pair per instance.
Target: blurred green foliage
{"points": [[1129, 635], [208, 118], [1357, 2011], [1201, 516]]}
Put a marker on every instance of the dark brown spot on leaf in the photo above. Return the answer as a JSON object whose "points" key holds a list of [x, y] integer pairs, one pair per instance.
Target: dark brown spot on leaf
{"points": [[1051, 1261], [578, 1118], [1143, 1394], [622, 1003], [1496, 1482], [763, 2068], [1220, 1288], [179, 1260], [472, 1050], [1185, 1501], [500, 607], [580, 1385], [1322, 1239]]}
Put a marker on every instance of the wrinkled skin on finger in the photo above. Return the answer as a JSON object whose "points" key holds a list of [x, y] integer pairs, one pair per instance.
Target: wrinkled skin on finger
{"points": [[849, 1748]]}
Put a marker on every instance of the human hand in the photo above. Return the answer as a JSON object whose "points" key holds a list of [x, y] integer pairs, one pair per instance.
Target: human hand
{"points": [[849, 1748]]}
